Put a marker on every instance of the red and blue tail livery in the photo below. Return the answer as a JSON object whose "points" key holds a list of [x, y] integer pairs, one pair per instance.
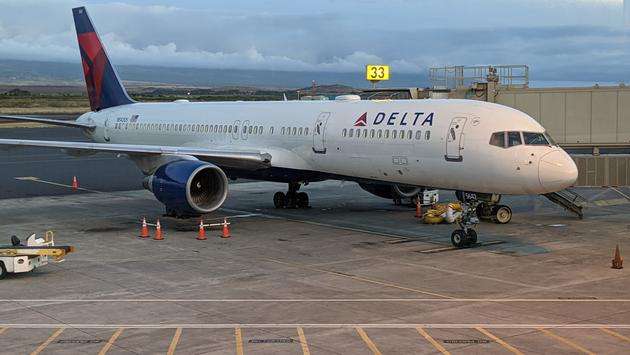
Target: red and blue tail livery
{"points": [[103, 85]]}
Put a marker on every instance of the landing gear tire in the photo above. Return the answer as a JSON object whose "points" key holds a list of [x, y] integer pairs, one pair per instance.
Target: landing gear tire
{"points": [[472, 237], [302, 200], [280, 200], [459, 238], [501, 214], [3, 271]]}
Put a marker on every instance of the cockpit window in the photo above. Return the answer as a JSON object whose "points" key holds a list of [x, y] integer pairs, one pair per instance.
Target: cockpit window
{"points": [[551, 141], [532, 138], [514, 138], [498, 139]]}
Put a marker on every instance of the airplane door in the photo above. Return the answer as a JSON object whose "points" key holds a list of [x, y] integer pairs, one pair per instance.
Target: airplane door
{"points": [[319, 133], [106, 136], [455, 140]]}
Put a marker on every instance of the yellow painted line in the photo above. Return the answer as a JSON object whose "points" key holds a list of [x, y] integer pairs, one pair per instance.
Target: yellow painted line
{"points": [[47, 342], [174, 342], [566, 341], [303, 342], [111, 342], [500, 341], [239, 341], [435, 344], [2, 330], [368, 341], [358, 278], [605, 330]]}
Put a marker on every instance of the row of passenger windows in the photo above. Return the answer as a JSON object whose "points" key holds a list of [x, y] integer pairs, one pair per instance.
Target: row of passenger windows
{"points": [[511, 139], [200, 128], [385, 134]]}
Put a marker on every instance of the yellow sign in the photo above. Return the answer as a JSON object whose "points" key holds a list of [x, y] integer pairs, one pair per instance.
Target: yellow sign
{"points": [[377, 72]]}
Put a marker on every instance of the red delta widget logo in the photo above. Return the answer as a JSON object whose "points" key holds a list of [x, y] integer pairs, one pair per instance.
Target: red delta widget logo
{"points": [[397, 118]]}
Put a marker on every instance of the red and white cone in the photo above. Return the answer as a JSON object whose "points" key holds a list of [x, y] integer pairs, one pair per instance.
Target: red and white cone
{"points": [[158, 231], [202, 231]]}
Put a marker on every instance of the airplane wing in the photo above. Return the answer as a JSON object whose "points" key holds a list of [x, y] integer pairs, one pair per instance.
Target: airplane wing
{"points": [[72, 124], [227, 157]]}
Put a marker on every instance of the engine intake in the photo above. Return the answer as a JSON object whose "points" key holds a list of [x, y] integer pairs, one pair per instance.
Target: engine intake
{"points": [[189, 187]]}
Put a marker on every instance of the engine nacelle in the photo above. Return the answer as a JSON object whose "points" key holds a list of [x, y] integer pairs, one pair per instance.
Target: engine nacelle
{"points": [[189, 187], [392, 191]]}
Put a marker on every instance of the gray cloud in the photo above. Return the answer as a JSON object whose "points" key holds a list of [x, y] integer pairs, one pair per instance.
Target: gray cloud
{"points": [[554, 37]]}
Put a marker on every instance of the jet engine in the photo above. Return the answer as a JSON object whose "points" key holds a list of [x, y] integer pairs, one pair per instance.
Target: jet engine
{"points": [[188, 187], [392, 192]]}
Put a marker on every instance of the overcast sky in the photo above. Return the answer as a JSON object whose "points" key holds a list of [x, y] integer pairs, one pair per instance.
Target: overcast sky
{"points": [[557, 38]]}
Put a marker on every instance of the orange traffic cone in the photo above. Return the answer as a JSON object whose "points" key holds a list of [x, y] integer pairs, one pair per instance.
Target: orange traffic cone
{"points": [[226, 229], [418, 209], [144, 232], [202, 231], [617, 262], [75, 183], [158, 231]]}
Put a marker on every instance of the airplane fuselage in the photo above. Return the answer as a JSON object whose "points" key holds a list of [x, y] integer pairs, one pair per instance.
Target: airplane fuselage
{"points": [[434, 143]]}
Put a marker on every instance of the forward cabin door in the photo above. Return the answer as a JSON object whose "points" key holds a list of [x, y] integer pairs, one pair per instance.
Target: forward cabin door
{"points": [[319, 133], [455, 140], [106, 128]]}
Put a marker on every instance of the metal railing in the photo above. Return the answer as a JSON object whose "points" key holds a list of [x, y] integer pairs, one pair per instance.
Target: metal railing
{"points": [[457, 77]]}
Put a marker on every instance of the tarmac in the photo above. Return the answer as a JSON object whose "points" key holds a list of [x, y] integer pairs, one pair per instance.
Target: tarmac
{"points": [[353, 274]]}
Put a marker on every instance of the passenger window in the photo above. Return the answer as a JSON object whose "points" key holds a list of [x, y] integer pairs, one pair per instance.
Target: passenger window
{"points": [[351, 133], [344, 132], [418, 135], [498, 139], [427, 135], [409, 135], [380, 134], [386, 133], [256, 130], [535, 138], [260, 130], [514, 138], [365, 133], [300, 131], [394, 134], [230, 129], [306, 131], [294, 131], [251, 129], [282, 130], [372, 133], [271, 130]]}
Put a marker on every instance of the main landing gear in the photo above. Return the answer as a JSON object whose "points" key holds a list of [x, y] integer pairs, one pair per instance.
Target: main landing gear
{"points": [[466, 236], [291, 199], [500, 214]]}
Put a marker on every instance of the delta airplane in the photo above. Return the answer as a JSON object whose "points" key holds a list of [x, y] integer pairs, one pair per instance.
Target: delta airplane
{"points": [[392, 148]]}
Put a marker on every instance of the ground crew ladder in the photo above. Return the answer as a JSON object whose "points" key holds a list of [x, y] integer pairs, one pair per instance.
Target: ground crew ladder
{"points": [[569, 200]]}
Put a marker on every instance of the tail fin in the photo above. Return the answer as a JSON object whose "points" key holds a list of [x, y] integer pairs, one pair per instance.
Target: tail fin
{"points": [[103, 85]]}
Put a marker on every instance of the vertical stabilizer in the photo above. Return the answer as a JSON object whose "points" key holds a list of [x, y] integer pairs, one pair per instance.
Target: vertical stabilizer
{"points": [[103, 85]]}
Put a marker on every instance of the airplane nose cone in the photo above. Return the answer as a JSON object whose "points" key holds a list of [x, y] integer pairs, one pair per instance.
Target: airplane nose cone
{"points": [[557, 171]]}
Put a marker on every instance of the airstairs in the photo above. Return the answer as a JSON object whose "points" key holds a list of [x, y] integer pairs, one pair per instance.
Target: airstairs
{"points": [[569, 200]]}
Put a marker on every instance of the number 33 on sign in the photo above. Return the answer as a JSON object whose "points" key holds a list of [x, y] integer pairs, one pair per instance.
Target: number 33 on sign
{"points": [[377, 72]]}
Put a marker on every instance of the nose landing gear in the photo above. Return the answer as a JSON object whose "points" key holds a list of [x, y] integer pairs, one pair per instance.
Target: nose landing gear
{"points": [[466, 236], [292, 198]]}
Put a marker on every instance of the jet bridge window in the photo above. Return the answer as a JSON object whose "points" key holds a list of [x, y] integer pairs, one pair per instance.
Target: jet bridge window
{"points": [[532, 138]]}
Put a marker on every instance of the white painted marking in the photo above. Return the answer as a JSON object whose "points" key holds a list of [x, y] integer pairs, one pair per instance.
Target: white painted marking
{"points": [[319, 325], [35, 179], [323, 300]]}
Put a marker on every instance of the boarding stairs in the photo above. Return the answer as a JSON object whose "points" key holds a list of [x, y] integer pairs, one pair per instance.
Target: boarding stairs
{"points": [[569, 200]]}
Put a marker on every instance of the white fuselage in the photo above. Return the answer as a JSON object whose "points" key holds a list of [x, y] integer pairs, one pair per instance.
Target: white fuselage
{"points": [[445, 143]]}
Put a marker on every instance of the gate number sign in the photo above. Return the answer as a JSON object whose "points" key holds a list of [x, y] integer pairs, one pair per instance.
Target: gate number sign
{"points": [[377, 72]]}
